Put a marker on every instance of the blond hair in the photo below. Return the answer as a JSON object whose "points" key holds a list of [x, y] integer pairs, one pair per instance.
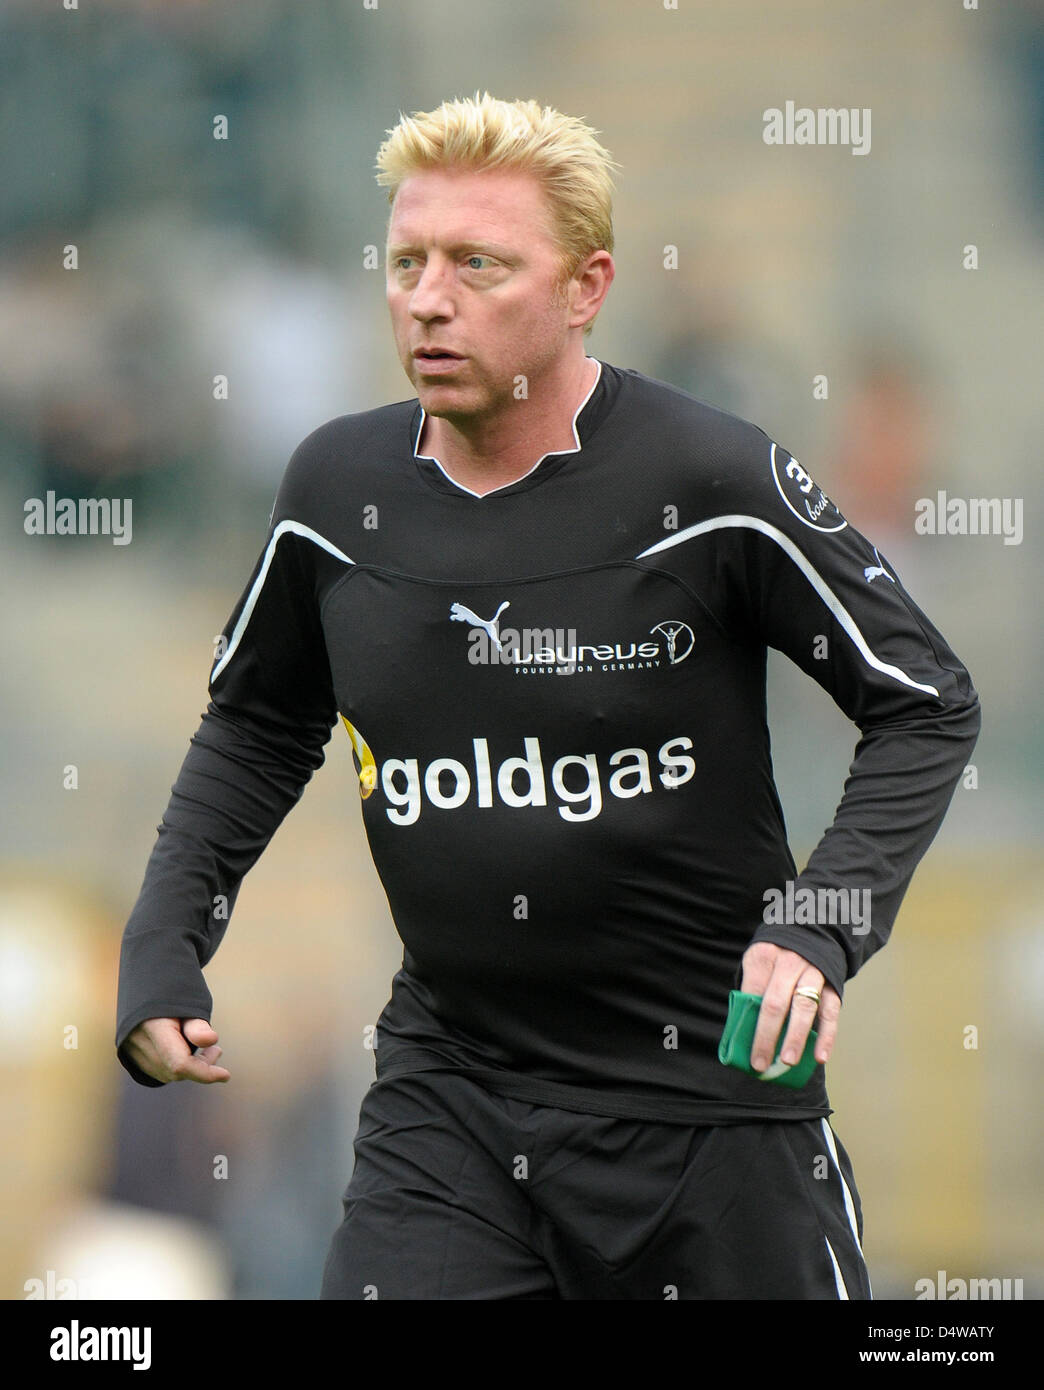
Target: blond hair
{"points": [[481, 132]]}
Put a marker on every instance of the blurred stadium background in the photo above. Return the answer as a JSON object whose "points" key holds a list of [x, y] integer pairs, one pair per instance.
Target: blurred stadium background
{"points": [[246, 257]]}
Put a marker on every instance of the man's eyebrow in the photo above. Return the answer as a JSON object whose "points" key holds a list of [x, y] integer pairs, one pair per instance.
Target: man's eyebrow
{"points": [[399, 248]]}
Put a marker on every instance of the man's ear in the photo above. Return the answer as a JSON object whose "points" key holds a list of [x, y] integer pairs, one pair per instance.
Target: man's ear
{"points": [[601, 267]]}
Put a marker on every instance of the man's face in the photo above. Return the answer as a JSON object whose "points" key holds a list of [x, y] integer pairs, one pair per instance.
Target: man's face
{"points": [[473, 269]]}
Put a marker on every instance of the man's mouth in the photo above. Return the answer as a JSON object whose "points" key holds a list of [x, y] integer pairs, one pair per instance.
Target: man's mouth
{"points": [[434, 361]]}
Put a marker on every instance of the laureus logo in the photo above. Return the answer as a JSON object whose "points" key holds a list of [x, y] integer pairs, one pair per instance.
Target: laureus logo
{"points": [[680, 640], [545, 649]]}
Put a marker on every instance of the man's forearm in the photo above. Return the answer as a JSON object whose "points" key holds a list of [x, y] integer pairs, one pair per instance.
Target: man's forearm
{"points": [[237, 783], [898, 790]]}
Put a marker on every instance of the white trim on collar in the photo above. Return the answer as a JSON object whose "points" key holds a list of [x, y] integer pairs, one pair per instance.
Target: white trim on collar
{"points": [[432, 459]]}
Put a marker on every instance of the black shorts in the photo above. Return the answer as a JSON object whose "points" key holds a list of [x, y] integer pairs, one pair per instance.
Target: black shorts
{"points": [[460, 1193]]}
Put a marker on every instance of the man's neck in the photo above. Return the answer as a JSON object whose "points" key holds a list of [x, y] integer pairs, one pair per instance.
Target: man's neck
{"points": [[492, 453]]}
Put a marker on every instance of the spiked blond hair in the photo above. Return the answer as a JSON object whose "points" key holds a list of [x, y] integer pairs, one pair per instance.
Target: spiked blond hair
{"points": [[482, 132]]}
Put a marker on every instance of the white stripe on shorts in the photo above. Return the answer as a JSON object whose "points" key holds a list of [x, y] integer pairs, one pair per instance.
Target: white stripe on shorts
{"points": [[828, 1134], [839, 1282]]}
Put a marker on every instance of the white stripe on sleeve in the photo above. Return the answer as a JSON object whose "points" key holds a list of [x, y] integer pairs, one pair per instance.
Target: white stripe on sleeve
{"points": [[284, 528], [840, 612]]}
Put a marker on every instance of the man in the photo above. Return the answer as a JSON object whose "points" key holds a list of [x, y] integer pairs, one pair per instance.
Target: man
{"points": [[539, 596]]}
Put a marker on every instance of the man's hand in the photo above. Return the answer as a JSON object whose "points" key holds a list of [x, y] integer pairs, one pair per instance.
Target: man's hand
{"points": [[774, 973], [162, 1047]]}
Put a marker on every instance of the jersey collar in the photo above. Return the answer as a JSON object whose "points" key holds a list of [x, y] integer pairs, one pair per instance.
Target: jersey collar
{"points": [[588, 415]]}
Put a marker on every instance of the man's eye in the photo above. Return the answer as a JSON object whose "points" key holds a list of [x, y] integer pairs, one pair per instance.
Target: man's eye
{"points": [[472, 259]]}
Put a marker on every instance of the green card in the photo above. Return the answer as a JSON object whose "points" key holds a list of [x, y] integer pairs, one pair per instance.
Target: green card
{"points": [[738, 1038]]}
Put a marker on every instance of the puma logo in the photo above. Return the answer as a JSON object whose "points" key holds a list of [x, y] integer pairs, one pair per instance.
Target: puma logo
{"points": [[460, 614], [872, 571]]}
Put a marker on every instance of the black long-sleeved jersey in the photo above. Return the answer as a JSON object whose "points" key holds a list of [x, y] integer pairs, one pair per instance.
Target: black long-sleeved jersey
{"points": [[555, 697]]}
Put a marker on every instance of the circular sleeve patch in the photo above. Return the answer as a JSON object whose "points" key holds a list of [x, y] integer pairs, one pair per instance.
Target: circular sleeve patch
{"points": [[802, 494]]}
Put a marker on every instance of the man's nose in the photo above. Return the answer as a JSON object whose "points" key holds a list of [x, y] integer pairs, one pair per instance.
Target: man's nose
{"points": [[432, 297]]}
